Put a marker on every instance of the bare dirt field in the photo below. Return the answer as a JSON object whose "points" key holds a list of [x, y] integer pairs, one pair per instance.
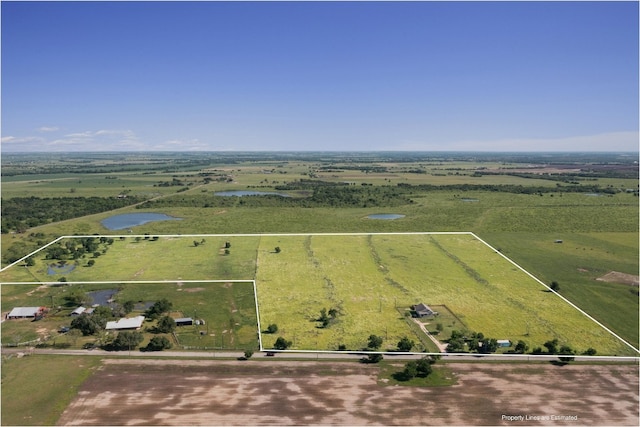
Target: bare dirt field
{"points": [[171, 392], [617, 277]]}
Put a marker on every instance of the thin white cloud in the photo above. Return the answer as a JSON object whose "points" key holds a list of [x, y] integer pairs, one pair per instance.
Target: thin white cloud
{"points": [[101, 140], [13, 143], [48, 129]]}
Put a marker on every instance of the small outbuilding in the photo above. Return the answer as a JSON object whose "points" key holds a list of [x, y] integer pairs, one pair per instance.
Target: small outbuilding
{"points": [[78, 311], [504, 343], [184, 321]]}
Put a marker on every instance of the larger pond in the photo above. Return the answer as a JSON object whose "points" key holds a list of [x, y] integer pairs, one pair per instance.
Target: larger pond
{"points": [[120, 222], [240, 193]]}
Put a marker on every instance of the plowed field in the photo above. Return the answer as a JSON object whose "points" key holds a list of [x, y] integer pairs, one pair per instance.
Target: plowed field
{"points": [[161, 392]]}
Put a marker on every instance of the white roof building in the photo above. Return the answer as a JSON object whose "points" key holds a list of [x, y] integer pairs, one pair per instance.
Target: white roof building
{"points": [[19, 312], [126, 323], [78, 311]]}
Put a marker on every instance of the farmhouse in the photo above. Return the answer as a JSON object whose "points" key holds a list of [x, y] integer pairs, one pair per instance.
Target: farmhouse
{"points": [[26, 312], [126, 323], [184, 321], [422, 310]]}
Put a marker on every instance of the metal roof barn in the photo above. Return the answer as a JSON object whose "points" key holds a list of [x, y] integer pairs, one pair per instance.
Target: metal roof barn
{"points": [[126, 323], [18, 312]]}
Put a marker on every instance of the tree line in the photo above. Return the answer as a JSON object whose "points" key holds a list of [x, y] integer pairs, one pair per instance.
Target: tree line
{"points": [[21, 213]]}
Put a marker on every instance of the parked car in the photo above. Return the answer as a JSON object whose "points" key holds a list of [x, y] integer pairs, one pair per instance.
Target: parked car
{"points": [[64, 329]]}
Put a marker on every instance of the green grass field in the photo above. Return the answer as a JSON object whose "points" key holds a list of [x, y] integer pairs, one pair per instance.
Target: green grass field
{"points": [[370, 279], [49, 382]]}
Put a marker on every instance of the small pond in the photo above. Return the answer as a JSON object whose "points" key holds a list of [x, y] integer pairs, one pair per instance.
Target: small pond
{"points": [[240, 193], [103, 297], [120, 222], [60, 269], [385, 216]]}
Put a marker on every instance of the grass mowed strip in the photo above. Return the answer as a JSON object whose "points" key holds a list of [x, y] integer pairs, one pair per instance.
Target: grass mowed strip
{"points": [[37, 388]]}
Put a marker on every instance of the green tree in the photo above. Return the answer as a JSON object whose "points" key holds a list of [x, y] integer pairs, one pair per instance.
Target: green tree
{"points": [[272, 328], [248, 353], [405, 344], [424, 367], [128, 306], [374, 342], [277, 249], [166, 325], [521, 347], [456, 342], [158, 343], [410, 370], [555, 286], [128, 340], [567, 353], [590, 352], [282, 344], [86, 324], [159, 307], [373, 358], [552, 346], [489, 345]]}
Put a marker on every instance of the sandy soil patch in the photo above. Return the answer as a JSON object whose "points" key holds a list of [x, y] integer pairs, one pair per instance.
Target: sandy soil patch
{"points": [[193, 289], [182, 392], [617, 277]]}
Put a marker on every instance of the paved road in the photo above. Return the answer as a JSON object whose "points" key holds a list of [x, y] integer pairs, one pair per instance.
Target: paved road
{"points": [[312, 355]]}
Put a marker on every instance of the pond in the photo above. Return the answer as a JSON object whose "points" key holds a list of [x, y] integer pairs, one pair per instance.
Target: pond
{"points": [[103, 297], [240, 193], [385, 216], [120, 222], [60, 269]]}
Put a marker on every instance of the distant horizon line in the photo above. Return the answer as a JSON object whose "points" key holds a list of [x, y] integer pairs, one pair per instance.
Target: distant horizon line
{"points": [[327, 151]]}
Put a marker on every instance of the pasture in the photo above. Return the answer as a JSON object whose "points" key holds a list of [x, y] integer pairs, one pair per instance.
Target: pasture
{"points": [[371, 280]]}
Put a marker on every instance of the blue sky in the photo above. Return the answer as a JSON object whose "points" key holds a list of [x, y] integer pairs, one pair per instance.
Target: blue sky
{"points": [[454, 76]]}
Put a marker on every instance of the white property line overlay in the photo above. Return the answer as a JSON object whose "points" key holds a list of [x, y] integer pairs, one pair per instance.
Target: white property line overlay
{"points": [[148, 236]]}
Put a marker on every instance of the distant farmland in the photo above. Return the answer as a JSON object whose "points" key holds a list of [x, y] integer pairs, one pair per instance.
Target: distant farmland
{"points": [[370, 280]]}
